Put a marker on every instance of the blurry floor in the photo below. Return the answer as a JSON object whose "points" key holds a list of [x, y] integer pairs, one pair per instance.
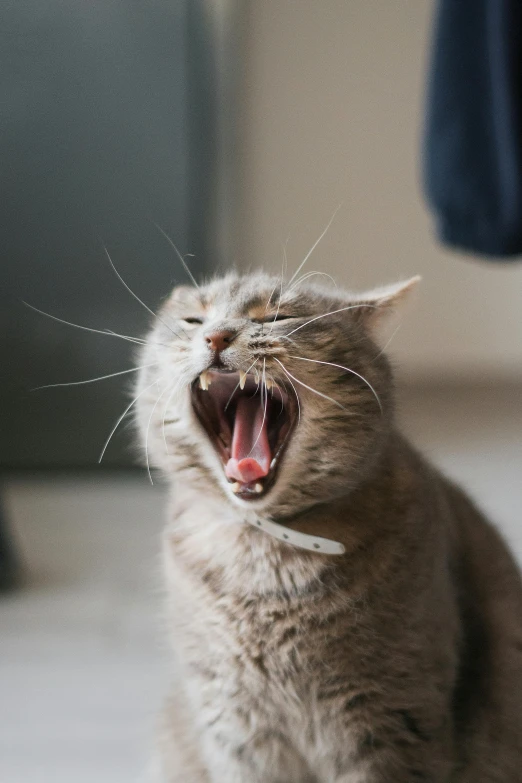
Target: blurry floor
{"points": [[82, 657], [82, 663]]}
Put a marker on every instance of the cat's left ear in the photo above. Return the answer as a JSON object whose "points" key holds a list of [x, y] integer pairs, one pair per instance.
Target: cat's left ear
{"points": [[376, 308]]}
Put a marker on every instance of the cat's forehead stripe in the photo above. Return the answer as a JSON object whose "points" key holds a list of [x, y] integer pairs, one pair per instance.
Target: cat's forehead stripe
{"points": [[248, 300]]}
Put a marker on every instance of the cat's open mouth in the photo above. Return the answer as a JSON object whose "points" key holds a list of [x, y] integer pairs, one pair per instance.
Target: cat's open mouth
{"points": [[249, 423]]}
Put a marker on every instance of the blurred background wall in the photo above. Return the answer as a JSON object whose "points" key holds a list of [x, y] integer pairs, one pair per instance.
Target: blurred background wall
{"points": [[109, 125], [331, 111]]}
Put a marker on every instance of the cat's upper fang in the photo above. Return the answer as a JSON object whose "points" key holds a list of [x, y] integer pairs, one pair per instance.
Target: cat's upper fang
{"points": [[205, 380]]}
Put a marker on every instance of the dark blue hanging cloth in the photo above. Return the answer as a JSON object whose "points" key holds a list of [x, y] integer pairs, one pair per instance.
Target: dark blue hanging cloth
{"points": [[473, 135]]}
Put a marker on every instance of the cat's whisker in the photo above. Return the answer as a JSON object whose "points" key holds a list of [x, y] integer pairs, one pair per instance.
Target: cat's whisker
{"points": [[137, 298], [107, 332], [264, 405], [93, 380], [136, 340], [295, 391], [305, 259], [239, 384], [347, 369], [139, 340], [315, 391], [262, 384], [272, 292], [147, 434], [266, 307], [311, 274], [387, 344], [285, 256], [236, 387], [283, 267], [183, 262], [332, 312], [120, 419], [163, 423]]}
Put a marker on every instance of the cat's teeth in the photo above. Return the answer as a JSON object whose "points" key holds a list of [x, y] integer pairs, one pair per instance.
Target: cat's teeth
{"points": [[236, 487], [204, 380], [258, 488], [242, 379], [269, 383]]}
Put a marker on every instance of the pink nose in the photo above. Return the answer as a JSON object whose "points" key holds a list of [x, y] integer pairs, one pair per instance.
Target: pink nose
{"points": [[218, 341]]}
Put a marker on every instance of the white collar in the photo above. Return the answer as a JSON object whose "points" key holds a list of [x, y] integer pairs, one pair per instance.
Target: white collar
{"points": [[302, 540]]}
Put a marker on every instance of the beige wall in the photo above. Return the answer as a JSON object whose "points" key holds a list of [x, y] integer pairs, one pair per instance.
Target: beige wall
{"points": [[332, 112]]}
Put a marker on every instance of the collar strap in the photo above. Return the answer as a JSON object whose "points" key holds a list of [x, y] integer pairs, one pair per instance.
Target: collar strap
{"points": [[302, 540]]}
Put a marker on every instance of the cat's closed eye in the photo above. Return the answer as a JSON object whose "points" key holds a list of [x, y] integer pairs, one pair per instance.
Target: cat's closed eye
{"points": [[193, 321]]}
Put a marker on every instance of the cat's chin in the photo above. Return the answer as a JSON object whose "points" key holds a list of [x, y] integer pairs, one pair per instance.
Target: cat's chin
{"points": [[249, 421]]}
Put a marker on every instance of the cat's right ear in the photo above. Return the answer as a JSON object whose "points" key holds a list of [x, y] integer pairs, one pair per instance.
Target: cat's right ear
{"points": [[375, 309]]}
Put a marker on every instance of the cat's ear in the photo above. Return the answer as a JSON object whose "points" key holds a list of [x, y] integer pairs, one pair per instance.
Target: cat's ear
{"points": [[376, 308], [182, 294]]}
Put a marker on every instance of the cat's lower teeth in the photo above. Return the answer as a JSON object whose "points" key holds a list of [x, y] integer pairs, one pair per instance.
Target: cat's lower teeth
{"points": [[237, 487], [273, 463]]}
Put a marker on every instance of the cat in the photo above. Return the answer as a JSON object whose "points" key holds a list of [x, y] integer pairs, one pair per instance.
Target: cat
{"points": [[340, 612]]}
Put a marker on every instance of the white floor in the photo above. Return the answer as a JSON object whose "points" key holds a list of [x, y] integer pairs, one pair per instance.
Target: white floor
{"points": [[82, 664], [82, 657]]}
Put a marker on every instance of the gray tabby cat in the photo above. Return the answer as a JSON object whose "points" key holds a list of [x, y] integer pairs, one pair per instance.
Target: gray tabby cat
{"points": [[340, 612]]}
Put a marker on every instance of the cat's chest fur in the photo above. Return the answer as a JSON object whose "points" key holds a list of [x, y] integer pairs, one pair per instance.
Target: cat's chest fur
{"points": [[259, 611]]}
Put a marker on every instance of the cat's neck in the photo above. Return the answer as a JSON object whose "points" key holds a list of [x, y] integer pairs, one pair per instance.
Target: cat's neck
{"points": [[206, 534]]}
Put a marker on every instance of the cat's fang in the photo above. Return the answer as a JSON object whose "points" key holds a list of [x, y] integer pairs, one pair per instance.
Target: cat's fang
{"points": [[269, 383], [258, 488], [204, 380], [236, 487], [242, 379]]}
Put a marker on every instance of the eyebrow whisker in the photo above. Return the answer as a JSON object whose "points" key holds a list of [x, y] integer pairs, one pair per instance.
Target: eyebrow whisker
{"points": [[311, 274], [184, 263], [137, 298], [305, 259], [280, 289]]}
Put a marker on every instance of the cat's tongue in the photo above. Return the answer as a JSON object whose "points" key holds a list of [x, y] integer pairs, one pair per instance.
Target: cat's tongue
{"points": [[250, 451]]}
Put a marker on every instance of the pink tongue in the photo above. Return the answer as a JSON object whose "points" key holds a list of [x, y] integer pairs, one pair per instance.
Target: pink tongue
{"points": [[251, 455]]}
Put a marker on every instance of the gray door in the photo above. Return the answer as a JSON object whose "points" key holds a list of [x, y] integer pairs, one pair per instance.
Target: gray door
{"points": [[107, 127]]}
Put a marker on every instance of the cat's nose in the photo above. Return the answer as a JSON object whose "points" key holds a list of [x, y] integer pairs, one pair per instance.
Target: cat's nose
{"points": [[219, 340]]}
